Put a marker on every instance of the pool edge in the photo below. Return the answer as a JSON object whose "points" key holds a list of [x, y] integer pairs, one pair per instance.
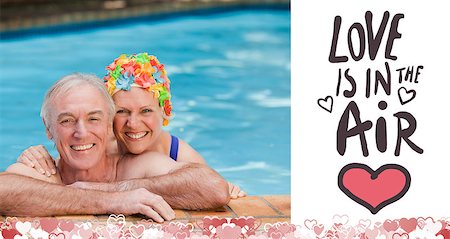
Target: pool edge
{"points": [[101, 18]]}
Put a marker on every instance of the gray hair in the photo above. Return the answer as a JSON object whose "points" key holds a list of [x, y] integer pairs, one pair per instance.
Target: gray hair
{"points": [[72, 81]]}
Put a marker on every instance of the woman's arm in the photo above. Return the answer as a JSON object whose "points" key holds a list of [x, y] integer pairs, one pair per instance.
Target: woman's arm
{"points": [[37, 157], [188, 154]]}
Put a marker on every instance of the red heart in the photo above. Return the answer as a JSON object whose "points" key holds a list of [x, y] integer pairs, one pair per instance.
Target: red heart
{"points": [[318, 229], [213, 221], [181, 235], [244, 221], [229, 232], [390, 225], [172, 228], [285, 228], [66, 225], [137, 230], [48, 224], [371, 233], [400, 236], [374, 189], [445, 233], [9, 233], [127, 235], [408, 224], [276, 235], [56, 236]]}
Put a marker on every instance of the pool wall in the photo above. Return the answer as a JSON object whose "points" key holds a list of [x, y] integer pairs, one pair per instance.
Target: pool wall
{"points": [[16, 22]]}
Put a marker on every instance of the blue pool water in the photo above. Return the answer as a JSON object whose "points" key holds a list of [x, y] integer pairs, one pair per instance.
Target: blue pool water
{"points": [[230, 76]]}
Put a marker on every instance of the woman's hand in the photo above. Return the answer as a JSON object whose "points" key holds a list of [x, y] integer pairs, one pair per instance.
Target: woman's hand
{"points": [[235, 191], [38, 158]]}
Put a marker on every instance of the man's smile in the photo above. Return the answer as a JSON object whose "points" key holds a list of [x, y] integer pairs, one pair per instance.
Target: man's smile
{"points": [[82, 147]]}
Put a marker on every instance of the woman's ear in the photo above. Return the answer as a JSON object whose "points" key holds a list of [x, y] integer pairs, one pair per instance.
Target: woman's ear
{"points": [[162, 114], [165, 118]]}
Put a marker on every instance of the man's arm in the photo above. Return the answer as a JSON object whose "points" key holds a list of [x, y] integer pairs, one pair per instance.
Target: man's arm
{"points": [[187, 186], [182, 185], [27, 196]]}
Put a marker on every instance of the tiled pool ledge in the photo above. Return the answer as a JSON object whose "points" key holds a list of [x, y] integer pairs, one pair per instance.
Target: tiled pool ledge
{"points": [[266, 209], [103, 16]]}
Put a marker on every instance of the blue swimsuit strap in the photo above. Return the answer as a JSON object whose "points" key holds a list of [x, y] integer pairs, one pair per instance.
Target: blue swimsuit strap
{"points": [[174, 148]]}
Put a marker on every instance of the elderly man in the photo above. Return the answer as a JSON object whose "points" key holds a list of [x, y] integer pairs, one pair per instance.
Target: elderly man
{"points": [[77, 113]]}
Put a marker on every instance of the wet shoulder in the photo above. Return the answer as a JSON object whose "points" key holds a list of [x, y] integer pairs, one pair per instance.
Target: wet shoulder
{"points": [[186, 153], [148, 164]]}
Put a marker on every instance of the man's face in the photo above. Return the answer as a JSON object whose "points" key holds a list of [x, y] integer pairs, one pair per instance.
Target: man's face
{"points": [[79, 125]]}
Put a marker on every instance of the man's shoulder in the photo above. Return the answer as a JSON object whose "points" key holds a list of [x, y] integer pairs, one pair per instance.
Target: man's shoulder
{"points": [[24, 170]]}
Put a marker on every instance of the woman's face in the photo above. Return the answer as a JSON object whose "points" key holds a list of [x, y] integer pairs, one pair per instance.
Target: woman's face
{"points": [[138, 120]]}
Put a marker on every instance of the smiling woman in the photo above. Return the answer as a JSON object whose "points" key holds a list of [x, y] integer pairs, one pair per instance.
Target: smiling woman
{"points": [[138, 108]]}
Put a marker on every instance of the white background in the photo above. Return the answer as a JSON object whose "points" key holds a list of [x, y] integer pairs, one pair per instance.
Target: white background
{"points": [[315, 160]]}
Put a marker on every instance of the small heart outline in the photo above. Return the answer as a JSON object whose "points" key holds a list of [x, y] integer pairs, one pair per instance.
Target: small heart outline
{"points": [[322, 101], [403, 93]]}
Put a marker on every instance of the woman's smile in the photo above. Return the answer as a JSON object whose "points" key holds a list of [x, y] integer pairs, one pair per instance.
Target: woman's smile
{"points": [[138, 135]]}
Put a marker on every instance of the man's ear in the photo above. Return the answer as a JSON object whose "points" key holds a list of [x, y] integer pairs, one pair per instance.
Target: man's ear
{"points": [[110, 128], [47, 130]]}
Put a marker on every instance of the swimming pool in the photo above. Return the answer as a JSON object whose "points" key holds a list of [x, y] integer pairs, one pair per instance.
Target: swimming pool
{"points": [[230, 76]]}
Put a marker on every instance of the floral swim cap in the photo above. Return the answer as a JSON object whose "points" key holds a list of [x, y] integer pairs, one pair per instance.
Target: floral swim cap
{"points": [[140, 70]]}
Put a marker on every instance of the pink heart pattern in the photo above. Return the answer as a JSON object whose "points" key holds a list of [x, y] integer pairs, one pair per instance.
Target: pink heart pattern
{"points": [[229, 231], [403, 228], [280, 229]]}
